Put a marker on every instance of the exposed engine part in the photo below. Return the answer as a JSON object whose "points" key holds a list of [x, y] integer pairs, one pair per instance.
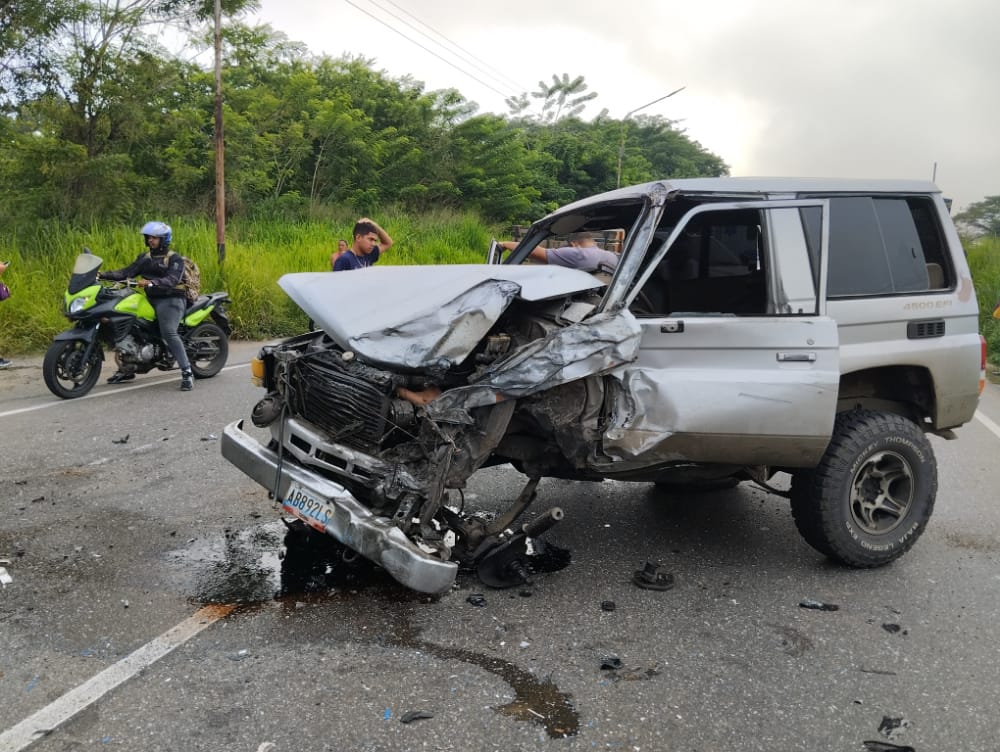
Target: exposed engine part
{"points": [[140, 352], [505, 565], [267, 410], [354, 403]]}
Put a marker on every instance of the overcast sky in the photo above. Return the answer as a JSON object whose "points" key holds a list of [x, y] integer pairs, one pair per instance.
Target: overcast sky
{"points": [[842, 88]]}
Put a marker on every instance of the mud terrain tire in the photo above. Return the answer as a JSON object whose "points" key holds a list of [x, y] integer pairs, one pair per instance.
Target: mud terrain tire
{"points": [[871, 495]]}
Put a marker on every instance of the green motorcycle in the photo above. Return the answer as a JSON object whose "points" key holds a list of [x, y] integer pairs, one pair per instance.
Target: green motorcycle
{"points": [[117, 316]]}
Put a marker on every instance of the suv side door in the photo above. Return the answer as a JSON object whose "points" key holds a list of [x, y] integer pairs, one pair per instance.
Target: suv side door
{"points": [[738, 363]]}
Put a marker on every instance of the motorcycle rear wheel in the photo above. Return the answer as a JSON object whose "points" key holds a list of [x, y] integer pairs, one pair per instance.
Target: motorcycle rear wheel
{"points": [[207, 349], [65, 373]]}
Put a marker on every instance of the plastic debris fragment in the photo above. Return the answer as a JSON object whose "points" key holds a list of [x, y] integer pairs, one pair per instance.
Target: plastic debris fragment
{"points": [[611, 663], [815, 605], [415, 715]]}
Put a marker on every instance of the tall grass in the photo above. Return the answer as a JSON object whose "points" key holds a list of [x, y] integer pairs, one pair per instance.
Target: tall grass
{"points": [[984, 262], [257, 254]]}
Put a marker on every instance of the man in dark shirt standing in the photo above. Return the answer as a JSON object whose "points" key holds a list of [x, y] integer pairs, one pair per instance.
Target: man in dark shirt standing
{"points": [[370, 242]]}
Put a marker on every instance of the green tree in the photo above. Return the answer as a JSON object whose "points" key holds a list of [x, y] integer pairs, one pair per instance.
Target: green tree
{"points": [[565, 97], [981, 218]]}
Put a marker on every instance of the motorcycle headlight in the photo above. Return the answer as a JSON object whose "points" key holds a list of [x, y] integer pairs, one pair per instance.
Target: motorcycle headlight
{"points": [[77, 304]]}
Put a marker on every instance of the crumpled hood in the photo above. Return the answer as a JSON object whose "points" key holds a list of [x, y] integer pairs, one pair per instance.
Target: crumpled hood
{"points": [[418, 316]]}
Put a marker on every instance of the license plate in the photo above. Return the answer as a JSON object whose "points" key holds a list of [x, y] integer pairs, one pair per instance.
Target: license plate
{"points": [[307, 507]]}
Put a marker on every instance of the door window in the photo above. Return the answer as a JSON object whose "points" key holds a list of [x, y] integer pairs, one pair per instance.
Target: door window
{"points": [[716, 265]]}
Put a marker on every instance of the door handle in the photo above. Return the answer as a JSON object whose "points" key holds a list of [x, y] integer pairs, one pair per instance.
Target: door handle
{"points": [[797, 357]]}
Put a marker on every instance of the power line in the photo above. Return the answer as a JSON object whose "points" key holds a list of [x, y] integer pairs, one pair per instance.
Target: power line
{"points": [[425, 49], [470, 57]]}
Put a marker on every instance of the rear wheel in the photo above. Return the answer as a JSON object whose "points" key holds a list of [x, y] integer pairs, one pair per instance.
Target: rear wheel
{"points": [[207, 349], [66, 373], [873, 492]]}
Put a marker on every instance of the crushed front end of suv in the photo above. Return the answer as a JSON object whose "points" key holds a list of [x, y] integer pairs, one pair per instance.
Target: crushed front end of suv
{"points": [[752, 327]]}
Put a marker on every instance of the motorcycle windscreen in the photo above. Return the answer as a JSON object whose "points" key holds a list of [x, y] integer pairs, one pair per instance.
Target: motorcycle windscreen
{"points": [[84, 272]]}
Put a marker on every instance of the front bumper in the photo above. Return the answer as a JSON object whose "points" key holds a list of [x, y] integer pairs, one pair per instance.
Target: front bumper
{"points": [[375, 538]]}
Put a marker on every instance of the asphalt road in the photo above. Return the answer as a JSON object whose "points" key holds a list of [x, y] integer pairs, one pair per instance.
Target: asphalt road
{"points": [[122, 526]]}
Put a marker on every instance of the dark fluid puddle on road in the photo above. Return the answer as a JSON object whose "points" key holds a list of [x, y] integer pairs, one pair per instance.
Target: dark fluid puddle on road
{"points": [[274, 563], [535, 700]]}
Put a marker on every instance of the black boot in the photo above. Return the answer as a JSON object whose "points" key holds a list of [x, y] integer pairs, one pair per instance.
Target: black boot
{"points": [[187, 381], [121, 376]]}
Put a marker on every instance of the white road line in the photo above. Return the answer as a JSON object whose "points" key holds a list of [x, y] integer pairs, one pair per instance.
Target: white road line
{"points": [[99, 395], [50, 717], [988, 423]]}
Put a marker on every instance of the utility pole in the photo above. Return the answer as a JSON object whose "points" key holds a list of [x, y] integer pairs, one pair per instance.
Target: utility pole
{"points": [[630, 113], [220, 154]]}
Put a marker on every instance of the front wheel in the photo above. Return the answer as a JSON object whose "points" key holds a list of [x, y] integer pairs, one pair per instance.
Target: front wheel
{"points": [[207, 349], [66, 373], [871, 495]]}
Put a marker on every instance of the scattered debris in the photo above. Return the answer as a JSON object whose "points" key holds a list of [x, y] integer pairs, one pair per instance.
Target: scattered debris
{"points": [[880, 672], [210, 437], [876, 746], [267, 747], [890, 727], [891, 628], [611, 663], [125, 602], [608, 606], [651, 578], [476, 599], [122, 440], [415, 715], [525, 593], [387, 715], [815, 605], [5, 578]]}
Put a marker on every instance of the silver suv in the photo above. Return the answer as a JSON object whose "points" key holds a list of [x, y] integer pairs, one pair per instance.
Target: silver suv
{"points": [[819, 328]]}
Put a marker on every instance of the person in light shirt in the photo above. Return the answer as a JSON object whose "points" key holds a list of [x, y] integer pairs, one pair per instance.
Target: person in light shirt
{"points": [[581, 253]]}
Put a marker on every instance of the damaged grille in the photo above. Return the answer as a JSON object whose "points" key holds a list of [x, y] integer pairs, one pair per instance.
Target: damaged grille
{"points": [[352, 402]]}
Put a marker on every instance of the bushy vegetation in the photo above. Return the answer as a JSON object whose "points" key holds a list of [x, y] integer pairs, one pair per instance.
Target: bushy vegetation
{"points": [[984, 262]]}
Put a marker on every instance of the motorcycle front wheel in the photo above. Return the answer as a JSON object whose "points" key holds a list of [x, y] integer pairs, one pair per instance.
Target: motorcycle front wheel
{"points": [[207, 349], [66, 373]]}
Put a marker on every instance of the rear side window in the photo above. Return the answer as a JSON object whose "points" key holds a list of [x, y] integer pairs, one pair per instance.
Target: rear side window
{"points": [[881, 246]]}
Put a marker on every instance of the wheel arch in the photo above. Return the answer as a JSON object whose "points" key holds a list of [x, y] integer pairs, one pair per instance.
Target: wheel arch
{"points": [[906, 390]]}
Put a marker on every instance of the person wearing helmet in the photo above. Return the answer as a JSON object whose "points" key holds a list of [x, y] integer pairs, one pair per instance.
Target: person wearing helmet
{"points": [[161, 274]]}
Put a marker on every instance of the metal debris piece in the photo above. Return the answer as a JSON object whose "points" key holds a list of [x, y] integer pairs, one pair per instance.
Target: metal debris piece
{"points": [[5, 578], [122, 440], [210, 437], [891, 628], [815, 605], [890, 727], [476, 599], [608, 606], [651, 578], [876, 746], [879, 671], [611, 663], [415, 715]]}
